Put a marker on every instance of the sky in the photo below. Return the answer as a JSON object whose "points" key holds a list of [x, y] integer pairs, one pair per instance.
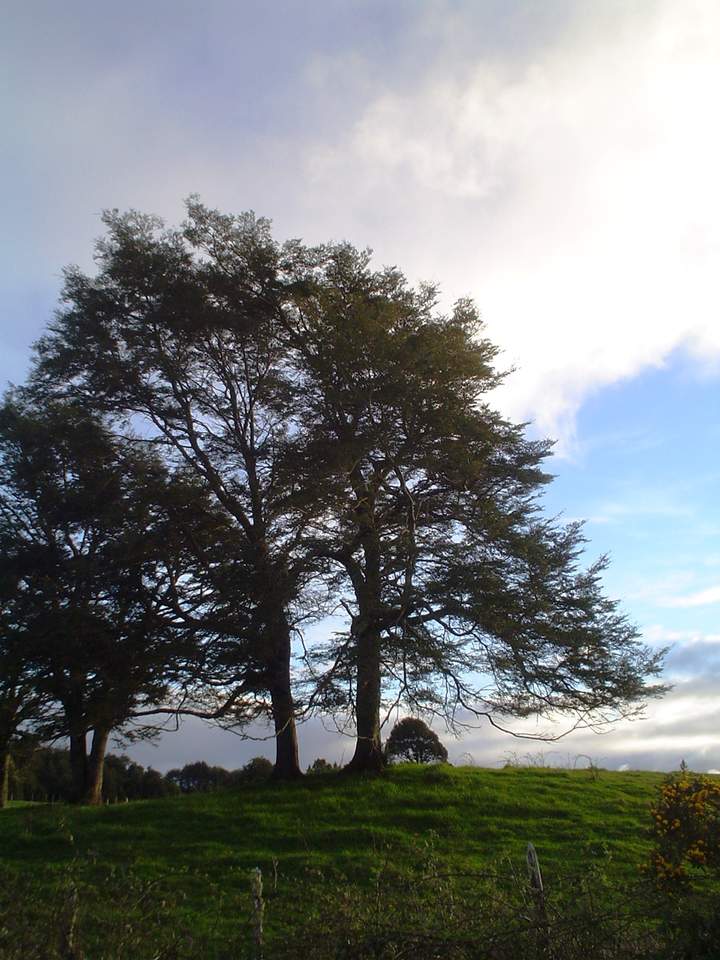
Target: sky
{"points": [[556, 161]]}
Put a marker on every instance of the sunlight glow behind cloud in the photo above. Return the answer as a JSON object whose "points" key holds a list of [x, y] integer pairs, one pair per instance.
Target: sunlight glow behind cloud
{"points": [[575, 195]]}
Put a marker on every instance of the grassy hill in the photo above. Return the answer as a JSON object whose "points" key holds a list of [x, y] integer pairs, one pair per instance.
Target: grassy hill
{"points": [[193, 854]]}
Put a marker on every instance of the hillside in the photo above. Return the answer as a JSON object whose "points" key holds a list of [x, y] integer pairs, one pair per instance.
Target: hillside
{"points": [[200, 848]]}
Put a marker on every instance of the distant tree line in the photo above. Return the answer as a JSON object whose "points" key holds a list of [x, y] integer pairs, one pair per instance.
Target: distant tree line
{"points": [[224, 440], [45, 775]]}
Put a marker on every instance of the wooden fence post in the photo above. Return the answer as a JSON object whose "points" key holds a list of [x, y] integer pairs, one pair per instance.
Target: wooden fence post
{"points": [[256, 886], [537, 891], [69, 946]]}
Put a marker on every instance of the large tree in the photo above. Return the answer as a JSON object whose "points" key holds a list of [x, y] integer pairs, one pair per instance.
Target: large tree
{"points": [[183, 331], [463, 598]]}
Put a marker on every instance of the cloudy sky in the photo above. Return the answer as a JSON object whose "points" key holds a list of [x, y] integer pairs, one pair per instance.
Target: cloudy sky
{"points": [[556, 160]]}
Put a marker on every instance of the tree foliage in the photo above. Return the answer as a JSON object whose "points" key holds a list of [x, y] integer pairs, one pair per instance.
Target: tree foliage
{"points": [[86, 558], [463, 598], [183, 330], [44, 774], [200, 776]]}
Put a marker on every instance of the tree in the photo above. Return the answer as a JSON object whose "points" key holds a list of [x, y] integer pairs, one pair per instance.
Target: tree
{"points": [[199, 777], [255, 771], [86, 553], [44, 774], [412, 739], [184, 332], [321, 765], [23, 706], [463, 598]]}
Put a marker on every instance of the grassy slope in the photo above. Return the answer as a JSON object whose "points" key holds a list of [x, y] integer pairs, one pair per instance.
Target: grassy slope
{"points": [[475, 817]]}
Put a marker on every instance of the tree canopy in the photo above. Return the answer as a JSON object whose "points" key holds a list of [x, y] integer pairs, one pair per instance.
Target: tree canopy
{"points": [[88, 552], [463, 598], [336, 430]]}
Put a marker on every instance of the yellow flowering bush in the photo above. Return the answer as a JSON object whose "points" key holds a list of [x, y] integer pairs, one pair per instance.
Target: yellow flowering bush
{"points": [[686, 828]]}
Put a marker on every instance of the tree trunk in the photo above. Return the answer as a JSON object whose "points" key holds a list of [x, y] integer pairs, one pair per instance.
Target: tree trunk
{"points": [[273, 592], [368, 754], [74, 710], [368, 692], [5, 763], [287, 760], [95, 767], [78, 766]]}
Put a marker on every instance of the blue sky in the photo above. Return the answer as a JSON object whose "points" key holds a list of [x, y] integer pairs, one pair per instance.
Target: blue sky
{"points": [[557, 161]]}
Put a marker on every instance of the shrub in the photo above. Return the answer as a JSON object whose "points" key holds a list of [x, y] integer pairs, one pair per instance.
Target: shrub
{"points": [[321, 765], [686, 828], [255, 770]]}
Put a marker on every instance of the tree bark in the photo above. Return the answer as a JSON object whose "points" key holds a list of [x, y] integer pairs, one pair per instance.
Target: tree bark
{"points": [[287, 760], [94, 777], [273, 592], [368, 754], [5, 763], [78, 765]]}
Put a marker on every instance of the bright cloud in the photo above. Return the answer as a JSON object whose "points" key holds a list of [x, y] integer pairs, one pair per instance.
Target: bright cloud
{"points": [[574, 194], [701, 598]]}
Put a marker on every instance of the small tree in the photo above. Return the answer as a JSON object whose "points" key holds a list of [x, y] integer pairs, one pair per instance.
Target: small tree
{"points": [[413, 740]]}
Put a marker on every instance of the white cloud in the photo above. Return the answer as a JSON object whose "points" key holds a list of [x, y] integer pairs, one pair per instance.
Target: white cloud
{"points": [[654, 589], [575, 195], [646, 504], [658, 635], [701, 598]]}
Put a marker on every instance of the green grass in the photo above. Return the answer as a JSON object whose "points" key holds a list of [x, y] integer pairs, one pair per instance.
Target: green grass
{"points": [[473, 818]]}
